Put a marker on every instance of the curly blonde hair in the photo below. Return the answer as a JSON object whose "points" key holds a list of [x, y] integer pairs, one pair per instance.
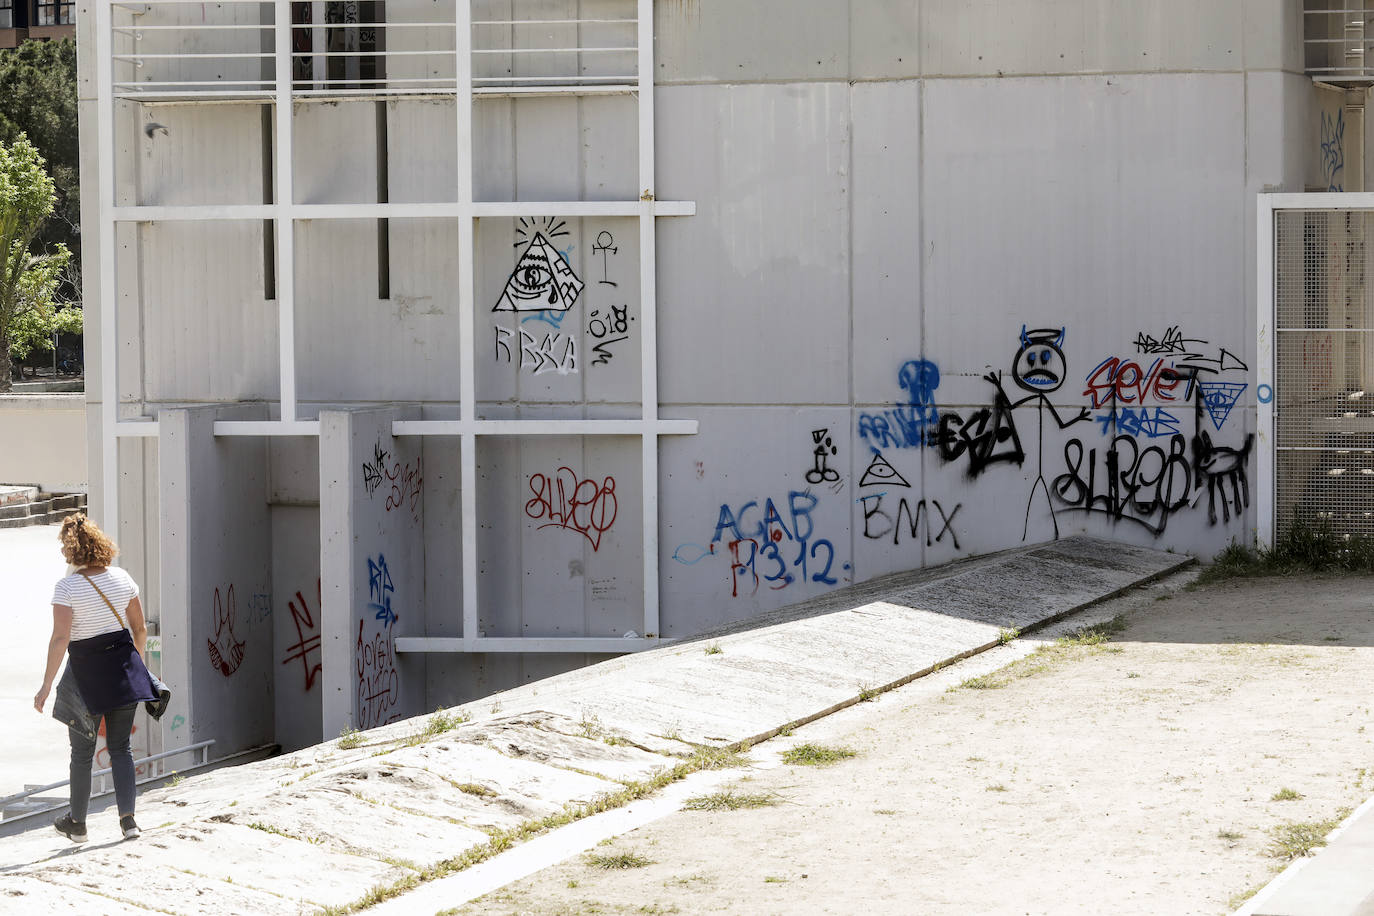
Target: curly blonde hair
{"points": [[89, 546]]}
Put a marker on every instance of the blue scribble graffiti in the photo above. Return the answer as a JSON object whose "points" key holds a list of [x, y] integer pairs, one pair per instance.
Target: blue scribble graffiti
{"points": [[1333, 149], [1150, 422], [380, 589], [910, 425]]}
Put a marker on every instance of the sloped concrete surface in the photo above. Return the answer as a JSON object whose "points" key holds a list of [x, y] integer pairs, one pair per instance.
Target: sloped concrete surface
{"points": [[321, 826]]}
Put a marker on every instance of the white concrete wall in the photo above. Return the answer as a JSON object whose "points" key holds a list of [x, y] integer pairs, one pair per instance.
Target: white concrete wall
{"points": [[373, 558], [216, 561], [45, 436], [887, 193]]}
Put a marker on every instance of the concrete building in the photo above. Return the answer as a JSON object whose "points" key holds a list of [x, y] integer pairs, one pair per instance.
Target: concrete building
{"points": [[435, 348]]}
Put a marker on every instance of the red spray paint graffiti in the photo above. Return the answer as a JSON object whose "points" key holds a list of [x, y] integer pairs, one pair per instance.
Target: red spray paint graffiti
{"points": [[578, 505], [307, 637]]}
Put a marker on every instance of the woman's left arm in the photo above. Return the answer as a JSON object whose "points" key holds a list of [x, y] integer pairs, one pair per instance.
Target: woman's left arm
{"points": [[57, 647], [138, 627]]}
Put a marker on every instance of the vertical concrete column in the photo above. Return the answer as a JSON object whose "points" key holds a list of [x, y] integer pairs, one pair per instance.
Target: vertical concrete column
{"points": [[371, 568], [216, 546]]}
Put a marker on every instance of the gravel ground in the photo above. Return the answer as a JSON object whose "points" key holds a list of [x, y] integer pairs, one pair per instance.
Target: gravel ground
{"points": [[1142, 775]]}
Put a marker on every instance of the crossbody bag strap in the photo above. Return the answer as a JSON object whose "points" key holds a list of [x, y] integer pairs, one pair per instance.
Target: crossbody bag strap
{"points": [[108, 603]]}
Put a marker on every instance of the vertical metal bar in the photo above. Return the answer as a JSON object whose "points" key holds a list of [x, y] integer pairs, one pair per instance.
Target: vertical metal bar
{"points": [[1266, 497], [109, 323], [467, 358], [648, 328], [286, 226]]}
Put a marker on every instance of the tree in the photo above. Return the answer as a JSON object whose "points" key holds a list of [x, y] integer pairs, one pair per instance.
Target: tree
{"points": [[28, 281], [38, 100]]}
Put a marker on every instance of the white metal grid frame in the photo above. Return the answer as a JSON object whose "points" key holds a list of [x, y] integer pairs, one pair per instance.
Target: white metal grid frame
{"points": [[285, 213], [1315, 341]]}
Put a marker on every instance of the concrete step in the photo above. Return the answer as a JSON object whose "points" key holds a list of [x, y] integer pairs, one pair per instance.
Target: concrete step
{"points": [[10, 495], [37, 508]]}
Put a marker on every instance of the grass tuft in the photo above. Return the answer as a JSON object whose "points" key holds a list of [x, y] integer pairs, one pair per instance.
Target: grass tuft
{"points": [[350, 738], [615, 860], [714, 649], [816, 755], [1295, 840], [1006, 635], [729, 800], [1285, 794]]}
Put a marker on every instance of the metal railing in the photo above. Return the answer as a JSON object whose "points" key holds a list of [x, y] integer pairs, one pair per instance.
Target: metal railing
{"points": [[183, 49], [1338, 43], [5, 803]]}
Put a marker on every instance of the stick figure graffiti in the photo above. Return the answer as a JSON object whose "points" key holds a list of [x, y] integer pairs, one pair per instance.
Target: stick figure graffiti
{"points": [[1039, 367]]}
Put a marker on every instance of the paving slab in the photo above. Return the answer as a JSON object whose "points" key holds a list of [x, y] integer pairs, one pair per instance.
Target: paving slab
{"points": [[268, 836]]}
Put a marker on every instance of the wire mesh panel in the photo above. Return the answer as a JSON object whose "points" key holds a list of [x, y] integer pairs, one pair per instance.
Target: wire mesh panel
{"points": [[1323, 354]]}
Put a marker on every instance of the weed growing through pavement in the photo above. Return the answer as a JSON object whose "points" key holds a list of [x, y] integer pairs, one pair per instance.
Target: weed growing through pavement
{"points": [[1295, 840], [774, 879], [1093, 638], [176, 780], [350, 738], [714, 649], [1285, 794], [1006, 635], [616, 860], [867, 693], [1229, 835], [589, 726], [729, 799], [816, 755], [472, 788], [998, 787]]}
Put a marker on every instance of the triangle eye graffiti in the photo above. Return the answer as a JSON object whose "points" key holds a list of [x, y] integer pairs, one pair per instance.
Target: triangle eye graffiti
{"points": [[542, 280]]}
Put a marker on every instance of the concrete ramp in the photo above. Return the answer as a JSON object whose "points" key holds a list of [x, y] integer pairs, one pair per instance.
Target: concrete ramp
{"points": [[322, 826]]}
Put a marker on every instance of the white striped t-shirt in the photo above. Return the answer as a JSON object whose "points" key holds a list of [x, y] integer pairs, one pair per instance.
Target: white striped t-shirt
{"points": [[91, 614]]}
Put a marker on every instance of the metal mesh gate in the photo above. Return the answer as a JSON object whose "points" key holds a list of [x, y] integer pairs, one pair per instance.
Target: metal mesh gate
{"points": [[1322, 393]]}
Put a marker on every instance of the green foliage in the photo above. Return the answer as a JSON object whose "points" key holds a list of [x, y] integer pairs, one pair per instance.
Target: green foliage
{"points": [[38, 100], [1305, 545], [38, 314], [28, 281]]}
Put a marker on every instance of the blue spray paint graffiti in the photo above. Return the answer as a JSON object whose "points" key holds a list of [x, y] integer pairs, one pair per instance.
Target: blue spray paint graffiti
{"points": [[1333, 150], [755, 545], [910, 425]]}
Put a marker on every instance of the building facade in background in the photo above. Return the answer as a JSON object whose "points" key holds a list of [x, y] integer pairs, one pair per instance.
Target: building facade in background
{"points": [[22, 20], [440, 348]]}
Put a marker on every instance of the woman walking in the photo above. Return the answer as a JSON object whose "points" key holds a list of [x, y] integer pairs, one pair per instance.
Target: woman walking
{"points": [[106, 674]]}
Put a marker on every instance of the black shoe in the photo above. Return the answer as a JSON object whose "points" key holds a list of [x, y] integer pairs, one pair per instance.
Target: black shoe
{"points": [[70, 828], [126, 823], [157, 707]]}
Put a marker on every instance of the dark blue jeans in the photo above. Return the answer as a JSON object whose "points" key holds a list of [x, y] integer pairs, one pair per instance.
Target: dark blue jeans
{"points": [[119, 725]]}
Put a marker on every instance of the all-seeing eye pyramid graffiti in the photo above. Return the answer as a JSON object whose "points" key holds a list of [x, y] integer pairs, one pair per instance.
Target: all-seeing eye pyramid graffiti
{"points": [[542, 280]]}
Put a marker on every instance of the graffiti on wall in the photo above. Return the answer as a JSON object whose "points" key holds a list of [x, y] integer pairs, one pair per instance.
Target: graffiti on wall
{"points": [[565, 500], [1333, 150], [543, 280], [608, 329], [911, 424], [1181, 398], [306, 648], [406, 480], [374, 654], [773, 552], [553, 352], [226, 650]]}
